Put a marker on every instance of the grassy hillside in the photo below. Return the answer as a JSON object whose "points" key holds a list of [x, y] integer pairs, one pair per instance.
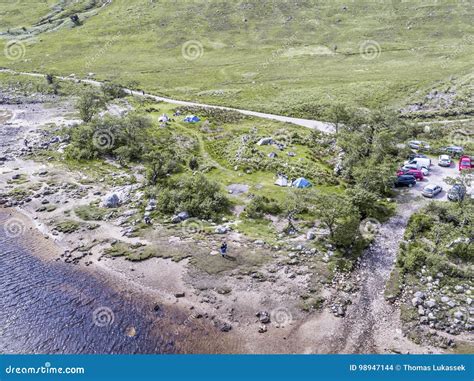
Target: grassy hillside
{"points": [[287, 57]]}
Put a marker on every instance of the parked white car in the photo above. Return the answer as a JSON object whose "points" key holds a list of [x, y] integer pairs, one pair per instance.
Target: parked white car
{"points": [[422, 161], [444, 161], [424, 170]]}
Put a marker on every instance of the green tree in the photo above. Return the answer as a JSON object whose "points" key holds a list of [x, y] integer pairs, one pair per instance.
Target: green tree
{"points": [[364, 200], [159, 166], [339, 114], [89, 104], [334, 211]]}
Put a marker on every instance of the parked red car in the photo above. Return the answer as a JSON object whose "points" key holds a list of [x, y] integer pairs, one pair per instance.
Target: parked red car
{"points": [[414, 172], [465, 162]]}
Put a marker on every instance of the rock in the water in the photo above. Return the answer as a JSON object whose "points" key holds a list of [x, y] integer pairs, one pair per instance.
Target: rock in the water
{"points": [[310, 235]]}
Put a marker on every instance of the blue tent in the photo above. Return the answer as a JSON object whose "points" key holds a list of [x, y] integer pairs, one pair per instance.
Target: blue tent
{"points": [[191, 119], [301, 183]]}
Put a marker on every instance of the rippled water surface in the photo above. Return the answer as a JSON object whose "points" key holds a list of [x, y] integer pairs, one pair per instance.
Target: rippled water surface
{"points": [[52, 307]]}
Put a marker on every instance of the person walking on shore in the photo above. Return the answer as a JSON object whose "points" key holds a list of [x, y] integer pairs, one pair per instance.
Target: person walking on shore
{"points": [[224, 249]]}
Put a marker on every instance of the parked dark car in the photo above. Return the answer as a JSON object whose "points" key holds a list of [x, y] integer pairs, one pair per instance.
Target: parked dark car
{"points": [[405, 181], [457, 192], [414, 155], [455, 151], [414, 172]]}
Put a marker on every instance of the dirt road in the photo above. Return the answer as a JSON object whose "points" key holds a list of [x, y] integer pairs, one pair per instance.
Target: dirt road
{"points": [[314, 124]]}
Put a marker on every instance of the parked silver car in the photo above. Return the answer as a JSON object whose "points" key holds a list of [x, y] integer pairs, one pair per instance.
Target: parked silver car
{"points": [[418, 144], [431, 190], [444, 161]]}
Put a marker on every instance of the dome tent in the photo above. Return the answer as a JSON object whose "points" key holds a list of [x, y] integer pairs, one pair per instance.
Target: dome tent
{"points": [[301, 182], [192, 119], [282, 181]]}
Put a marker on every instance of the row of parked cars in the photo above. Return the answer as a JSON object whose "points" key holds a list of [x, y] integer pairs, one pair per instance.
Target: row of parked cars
{"points": [[420, 145], [418, 166]]}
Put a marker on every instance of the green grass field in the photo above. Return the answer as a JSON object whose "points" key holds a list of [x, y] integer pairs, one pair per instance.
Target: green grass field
{"points": [[285, 57]]}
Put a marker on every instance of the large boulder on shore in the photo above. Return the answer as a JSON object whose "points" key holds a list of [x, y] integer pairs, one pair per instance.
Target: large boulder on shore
{"points": [[111, 201]]}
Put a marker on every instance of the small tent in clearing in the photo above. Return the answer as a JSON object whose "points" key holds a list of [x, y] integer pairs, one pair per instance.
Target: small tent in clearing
{"points": [[301, 183], [163, 118], [281, 181], [191, 119]]}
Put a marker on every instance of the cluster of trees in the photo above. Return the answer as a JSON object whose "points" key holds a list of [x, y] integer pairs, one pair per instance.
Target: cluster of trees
{"points": [[131, 139], [371, 145], [123, 137]]}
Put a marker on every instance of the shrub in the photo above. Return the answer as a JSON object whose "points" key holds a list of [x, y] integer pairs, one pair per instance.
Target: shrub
{"points": [[193, 164], [414, 258], [346, 233], [197, 195], [419, 223], [463, 250], [113, 90], [82, 146], [261, 205]]}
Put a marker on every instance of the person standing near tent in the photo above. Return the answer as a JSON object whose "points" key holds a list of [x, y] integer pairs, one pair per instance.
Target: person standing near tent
{"points": [[224, 249]]}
